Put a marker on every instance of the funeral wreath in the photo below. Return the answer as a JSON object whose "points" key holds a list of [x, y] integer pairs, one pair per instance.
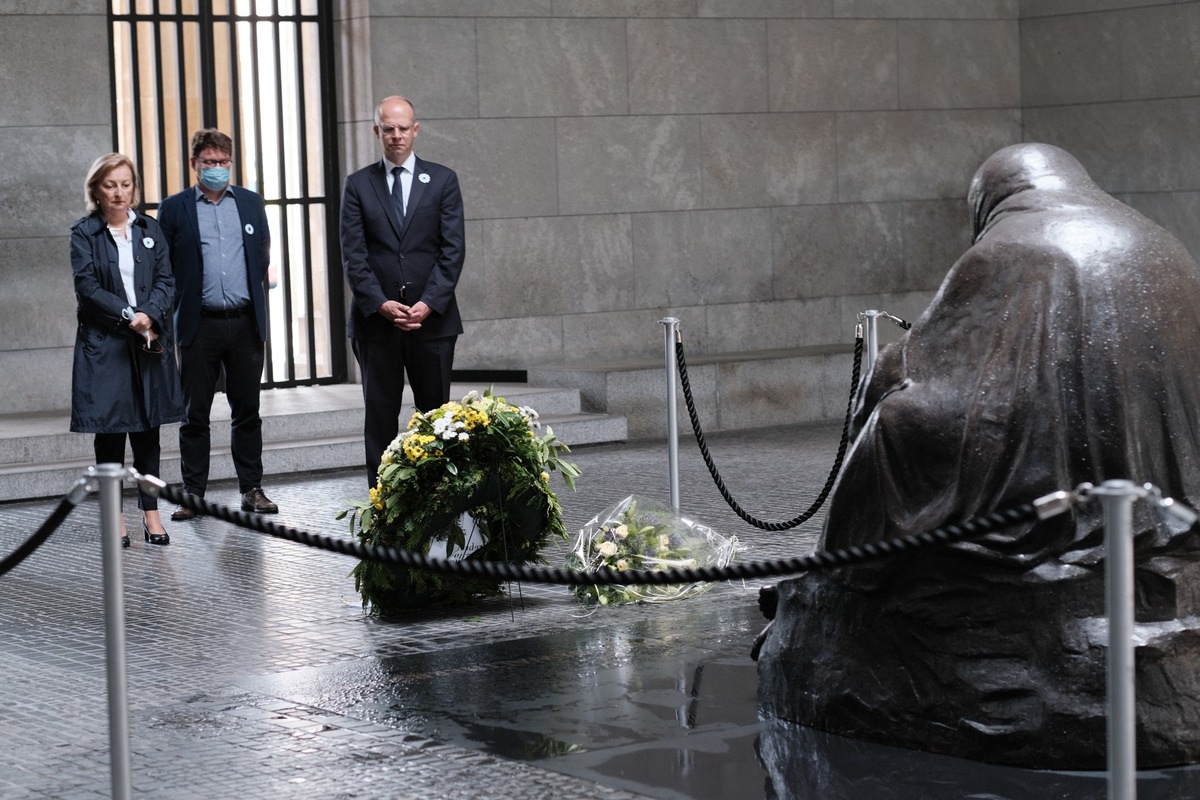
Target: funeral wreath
{"points": [[468, 479]]}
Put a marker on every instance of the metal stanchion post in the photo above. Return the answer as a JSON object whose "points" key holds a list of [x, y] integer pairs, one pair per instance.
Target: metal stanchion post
{"points": [[671, 336], [868, 330], [871, 343], [1117, 498], [110, 477]]}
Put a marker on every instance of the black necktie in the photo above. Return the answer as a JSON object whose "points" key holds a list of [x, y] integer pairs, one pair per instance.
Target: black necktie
{"points": [[398, 194]]}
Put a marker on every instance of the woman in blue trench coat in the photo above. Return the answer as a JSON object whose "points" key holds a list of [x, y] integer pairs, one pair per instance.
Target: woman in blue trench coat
{"points": [[125, 381]]}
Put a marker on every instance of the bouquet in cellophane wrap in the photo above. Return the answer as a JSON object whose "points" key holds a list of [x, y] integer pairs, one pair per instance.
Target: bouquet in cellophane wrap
{"points": [[639, 535]]}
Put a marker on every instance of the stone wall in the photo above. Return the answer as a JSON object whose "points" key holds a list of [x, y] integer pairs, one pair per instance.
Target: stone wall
{"points": [[1115, 82], [761, 169], [55, 118]]}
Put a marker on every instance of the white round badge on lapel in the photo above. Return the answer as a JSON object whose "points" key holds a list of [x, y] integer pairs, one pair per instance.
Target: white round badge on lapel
{"points": [[249, 229], [148, 243], [423, 177]]}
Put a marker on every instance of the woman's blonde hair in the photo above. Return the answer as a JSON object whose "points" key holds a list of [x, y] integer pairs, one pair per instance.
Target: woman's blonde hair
{"points": [[100, 168]]}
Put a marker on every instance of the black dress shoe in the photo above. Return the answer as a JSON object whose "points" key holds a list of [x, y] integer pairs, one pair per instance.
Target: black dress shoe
{"points": [[156, 538], [256, 502], [125, 540]]}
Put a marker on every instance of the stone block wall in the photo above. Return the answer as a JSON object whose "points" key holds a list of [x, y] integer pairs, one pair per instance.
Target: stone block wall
{"points": [[761, 169], [55, 119], [1116, 83]]}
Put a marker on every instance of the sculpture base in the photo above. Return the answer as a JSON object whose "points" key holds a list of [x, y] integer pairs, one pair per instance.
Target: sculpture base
{"points": [[1007, 669]]}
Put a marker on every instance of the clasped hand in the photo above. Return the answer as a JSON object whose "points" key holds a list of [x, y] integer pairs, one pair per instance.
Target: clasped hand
{"points": [[142, 324], [406, 318]]}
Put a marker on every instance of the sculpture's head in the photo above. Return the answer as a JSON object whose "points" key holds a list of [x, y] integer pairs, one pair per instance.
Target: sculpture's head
{"points": [[1020, 168]]}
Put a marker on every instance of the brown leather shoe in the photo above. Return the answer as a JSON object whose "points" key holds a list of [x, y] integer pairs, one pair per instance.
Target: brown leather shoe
{"points": [[183, 513], [256, 502]]}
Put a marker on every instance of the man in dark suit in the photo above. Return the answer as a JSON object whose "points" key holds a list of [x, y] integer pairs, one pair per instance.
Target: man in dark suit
{"points": [[403, 244], [220, 251]]}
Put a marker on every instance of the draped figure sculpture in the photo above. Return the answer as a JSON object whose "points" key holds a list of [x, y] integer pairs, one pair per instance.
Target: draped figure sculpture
{"points": [[1060, 349]]}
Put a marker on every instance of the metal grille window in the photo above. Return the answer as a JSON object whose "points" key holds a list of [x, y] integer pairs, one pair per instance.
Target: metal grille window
{"points": [[261, 71]]}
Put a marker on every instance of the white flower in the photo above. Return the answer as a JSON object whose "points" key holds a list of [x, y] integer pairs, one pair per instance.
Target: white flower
{"points": [[622, 531], [148, 243], [608, 549], [423, 177], [249, 229]]}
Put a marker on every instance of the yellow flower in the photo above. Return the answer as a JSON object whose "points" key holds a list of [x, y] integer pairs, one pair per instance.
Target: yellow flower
{"points": [[414, 447], [376, 498], [545, 476]]}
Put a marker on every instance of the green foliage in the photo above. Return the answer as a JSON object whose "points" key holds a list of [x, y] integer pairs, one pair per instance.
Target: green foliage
{"points": [[480, 456]]}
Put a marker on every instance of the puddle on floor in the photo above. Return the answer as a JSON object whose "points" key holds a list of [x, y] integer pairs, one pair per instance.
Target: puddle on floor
{"points": [[665, 709]]}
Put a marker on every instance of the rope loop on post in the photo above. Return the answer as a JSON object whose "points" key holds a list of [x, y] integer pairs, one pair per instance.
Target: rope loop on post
{"points": [[716, 475]]}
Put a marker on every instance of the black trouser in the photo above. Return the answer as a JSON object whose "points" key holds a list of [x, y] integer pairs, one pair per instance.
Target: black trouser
{"points": [[231, 343], [383, 363], [110, 449]]}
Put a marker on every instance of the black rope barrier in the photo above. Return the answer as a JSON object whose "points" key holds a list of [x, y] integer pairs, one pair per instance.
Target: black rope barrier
{"points": [[948, 534], [716, 475], [64, 508]]}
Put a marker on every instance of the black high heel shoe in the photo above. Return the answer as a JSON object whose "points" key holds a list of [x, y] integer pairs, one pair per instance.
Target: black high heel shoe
{"points": [[155, 538]]}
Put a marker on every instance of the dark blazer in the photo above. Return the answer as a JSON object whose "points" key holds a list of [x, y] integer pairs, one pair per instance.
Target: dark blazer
{"points": [[116, 387], [425, 257], [177, 215]]}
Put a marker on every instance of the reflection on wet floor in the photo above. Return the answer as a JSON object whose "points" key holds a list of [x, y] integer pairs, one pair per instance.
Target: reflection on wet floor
{"points": [[662, 709]]}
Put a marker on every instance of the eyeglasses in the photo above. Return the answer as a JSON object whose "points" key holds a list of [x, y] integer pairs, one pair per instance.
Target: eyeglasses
{"points": [[206, 163]]}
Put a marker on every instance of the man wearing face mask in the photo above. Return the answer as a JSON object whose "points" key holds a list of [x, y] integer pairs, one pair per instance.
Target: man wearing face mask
{"points": [[220, 252]]}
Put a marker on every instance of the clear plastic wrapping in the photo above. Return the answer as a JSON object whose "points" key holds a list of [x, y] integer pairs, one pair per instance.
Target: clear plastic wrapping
{"points": [[640, 535]]}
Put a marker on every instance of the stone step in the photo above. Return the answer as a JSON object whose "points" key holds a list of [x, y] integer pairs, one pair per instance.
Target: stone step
{"points": [[310, 428], [731, 391], [288, 414], [304, 428]]}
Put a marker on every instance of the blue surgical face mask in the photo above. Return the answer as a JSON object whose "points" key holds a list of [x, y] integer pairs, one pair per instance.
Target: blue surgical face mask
{"points": [[214, 178]]}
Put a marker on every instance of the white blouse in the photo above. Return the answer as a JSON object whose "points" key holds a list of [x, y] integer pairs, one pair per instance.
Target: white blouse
{"points": [[122, 236]]}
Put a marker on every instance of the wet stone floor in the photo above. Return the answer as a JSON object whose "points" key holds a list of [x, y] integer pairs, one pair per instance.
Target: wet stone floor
{"points": [[254, 673]]}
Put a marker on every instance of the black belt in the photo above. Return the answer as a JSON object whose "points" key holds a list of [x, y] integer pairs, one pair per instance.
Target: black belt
{"points": [[227, 313]]}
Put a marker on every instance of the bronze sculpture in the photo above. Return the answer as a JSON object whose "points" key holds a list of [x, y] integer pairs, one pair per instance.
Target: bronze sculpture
{"points": [[1060, 349]]}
